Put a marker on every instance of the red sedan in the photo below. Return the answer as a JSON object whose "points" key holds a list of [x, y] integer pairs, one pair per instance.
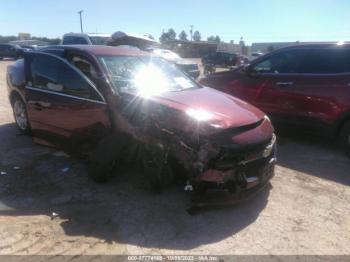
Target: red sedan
{"points": [[122, 104]]}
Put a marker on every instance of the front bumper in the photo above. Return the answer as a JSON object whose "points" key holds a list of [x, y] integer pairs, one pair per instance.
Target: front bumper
{"points": [[239, 183]]}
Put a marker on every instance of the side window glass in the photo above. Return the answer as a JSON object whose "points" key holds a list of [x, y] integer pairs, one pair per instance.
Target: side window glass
{"points": [[44, 76], [73, 83], [67, 40], [81, 41], [316, 61], [84, 66], [326, 61], [281, 63], [74, 40], [52, 74], [344, 60], [263, 67]]}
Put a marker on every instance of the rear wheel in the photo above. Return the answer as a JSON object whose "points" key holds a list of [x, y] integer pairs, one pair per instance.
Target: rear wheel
{"points": [[20, 115], [344, 138]]}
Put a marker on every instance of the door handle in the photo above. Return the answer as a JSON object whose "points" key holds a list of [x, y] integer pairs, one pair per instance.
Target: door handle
{"points": [[284, 84], [41, 105]]}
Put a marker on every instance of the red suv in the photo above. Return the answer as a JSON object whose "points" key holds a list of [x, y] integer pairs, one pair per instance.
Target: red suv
{"points": [[120, 104], [303, 85]]}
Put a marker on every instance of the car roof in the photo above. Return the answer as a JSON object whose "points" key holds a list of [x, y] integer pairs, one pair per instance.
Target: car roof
{"points": [[318, 45], [102, 50]]}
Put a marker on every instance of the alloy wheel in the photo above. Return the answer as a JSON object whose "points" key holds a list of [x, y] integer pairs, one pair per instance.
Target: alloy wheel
{"points": [[20, 114]]}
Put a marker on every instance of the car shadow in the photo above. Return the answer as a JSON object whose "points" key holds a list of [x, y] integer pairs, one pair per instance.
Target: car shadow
{"points": [[44, 181], [313, 155]]}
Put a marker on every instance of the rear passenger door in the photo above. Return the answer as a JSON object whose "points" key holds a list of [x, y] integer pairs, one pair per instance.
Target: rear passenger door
{"points": [[322, 84], [64, 107], [305, 85]]}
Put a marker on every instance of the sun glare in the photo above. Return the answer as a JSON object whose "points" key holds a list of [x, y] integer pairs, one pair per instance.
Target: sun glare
{"points": [[150, 80]]}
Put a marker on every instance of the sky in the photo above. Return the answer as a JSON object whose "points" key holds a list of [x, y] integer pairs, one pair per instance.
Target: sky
{"points": [[254, 20]]}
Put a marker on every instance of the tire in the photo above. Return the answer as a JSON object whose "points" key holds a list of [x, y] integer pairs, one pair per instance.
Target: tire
{"points": [[101, 172], [344, 138], [157, 172], [104, 159], [108, 154], [20, 114]]}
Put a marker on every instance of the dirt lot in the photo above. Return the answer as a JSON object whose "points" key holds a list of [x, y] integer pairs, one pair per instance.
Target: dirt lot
{"points": [[306, 209]]}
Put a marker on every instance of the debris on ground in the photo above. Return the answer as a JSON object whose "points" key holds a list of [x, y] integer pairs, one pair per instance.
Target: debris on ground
{"points": [[60, 154], [65, 169], [16, 168], [3, 173], [54, 215]]}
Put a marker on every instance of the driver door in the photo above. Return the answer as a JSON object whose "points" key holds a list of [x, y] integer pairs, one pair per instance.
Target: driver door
{"points": [[64, 107]]}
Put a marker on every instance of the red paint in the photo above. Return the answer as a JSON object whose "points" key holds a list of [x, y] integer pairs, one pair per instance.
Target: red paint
{"points": [[216, 176], [315, 100]]}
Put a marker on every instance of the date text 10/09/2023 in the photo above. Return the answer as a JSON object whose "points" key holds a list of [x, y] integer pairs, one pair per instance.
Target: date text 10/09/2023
{"points": [[172, 258]]}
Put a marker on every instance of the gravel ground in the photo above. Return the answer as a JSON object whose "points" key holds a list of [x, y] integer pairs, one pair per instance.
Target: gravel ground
{"points": [[49, 206]]}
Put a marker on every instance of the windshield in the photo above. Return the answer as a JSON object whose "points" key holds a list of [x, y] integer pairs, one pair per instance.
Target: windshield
{"points": [[166, 54], [99, 40], [146, 75]]}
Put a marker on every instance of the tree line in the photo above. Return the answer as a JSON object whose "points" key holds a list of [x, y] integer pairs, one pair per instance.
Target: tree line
{"points": [[171, 35], [165, 36]]}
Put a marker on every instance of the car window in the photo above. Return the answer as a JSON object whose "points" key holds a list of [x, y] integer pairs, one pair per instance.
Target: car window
{"points": [[148, 75], [325, 61], [84, 66], [52, 74], [283, 62], [99, 40], [74, 40], [74, 84], [343, 56]]}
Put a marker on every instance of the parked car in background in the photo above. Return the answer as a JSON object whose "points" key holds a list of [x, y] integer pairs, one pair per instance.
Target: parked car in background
{"points": [[185, 65], [307, 86], [85, 39], [142, 42], [222, 59], [125, 104], [122, 39], [11, 51], [254, 55]]}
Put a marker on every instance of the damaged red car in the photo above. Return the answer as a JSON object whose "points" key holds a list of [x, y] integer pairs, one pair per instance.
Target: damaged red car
{"points": [[120, 104]]}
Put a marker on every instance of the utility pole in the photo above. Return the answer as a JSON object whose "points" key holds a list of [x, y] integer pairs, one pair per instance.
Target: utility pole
{"points": [[191, 32], [81, 20]]}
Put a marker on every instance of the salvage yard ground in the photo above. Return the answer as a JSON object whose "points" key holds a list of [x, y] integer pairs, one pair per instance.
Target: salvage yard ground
{"points": [[49, 206]]}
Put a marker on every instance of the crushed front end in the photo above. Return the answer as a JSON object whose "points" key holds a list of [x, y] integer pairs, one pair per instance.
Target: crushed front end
{"points": [[234, 165], [222, 165]]}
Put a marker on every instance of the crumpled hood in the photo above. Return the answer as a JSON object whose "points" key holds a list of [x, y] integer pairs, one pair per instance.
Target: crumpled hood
{"points": [[226, 111]]}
